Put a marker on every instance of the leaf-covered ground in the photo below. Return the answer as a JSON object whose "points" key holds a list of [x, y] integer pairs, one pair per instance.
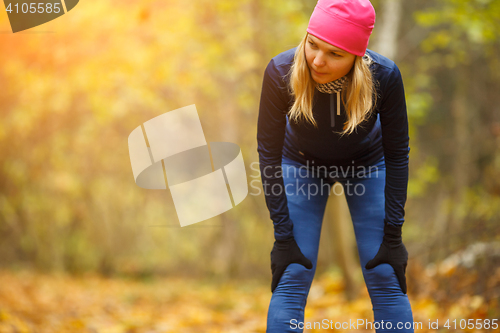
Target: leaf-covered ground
{"points": [[34, 302]]}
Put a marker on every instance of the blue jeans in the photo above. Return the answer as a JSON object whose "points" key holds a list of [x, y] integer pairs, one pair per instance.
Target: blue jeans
{"points": [[307, 195]]}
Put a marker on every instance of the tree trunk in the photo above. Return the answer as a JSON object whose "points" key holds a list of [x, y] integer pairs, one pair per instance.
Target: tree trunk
{"points": [[339, 228], [387, 34], [462, 137]]}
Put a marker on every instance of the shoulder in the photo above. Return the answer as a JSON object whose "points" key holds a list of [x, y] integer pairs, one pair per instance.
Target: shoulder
{"points": [[381, 61], [280, 64], [385, 70]]}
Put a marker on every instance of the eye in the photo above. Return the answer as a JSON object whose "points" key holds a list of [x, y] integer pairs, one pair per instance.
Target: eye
{"points": [[311, 43], [335, 54]]}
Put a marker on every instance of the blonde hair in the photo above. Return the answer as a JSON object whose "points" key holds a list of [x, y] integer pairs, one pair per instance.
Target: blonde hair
{"points": [[358, 94]]}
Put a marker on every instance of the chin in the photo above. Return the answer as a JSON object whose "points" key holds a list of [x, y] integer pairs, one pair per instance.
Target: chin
{"points": [[320, 81]]}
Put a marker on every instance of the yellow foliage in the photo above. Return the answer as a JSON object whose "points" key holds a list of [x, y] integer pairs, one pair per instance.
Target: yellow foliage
{"points": [[32, 302]]}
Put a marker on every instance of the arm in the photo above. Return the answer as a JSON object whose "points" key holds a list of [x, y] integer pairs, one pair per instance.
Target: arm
{"points": [[395, 140], [270, 137]]}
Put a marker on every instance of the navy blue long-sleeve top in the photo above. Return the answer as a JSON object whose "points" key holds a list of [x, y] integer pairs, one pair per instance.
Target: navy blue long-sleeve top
{"points": [[383, 134]]}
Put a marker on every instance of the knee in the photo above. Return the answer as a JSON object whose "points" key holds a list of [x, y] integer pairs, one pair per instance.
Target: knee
{"points": [[381, 277], [297, 277]]}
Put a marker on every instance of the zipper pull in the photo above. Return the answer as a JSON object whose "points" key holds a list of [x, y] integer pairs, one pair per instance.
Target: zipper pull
{"points": [[338, 103]]}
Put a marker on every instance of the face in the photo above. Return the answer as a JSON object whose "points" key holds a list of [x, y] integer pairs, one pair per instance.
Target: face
{"points": [[327, 62]]}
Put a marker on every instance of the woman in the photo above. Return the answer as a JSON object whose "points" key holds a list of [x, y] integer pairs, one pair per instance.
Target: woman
{"points": [[329, 109]]}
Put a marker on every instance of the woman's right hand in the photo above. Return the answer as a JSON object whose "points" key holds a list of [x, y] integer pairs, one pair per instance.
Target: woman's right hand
{"points": [[284, 253]]}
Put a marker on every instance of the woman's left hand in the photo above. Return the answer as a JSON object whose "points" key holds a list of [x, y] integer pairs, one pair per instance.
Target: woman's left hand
{"points": [[392, 251]]}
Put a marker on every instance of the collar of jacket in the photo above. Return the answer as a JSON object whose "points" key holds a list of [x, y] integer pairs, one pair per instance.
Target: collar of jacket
{"points": [[332, 87]]}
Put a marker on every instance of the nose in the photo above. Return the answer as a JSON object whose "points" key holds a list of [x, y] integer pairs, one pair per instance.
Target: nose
{"points": [[319, 60]]}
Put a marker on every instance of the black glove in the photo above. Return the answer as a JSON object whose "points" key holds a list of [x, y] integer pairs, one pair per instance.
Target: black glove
{"points": [[392, 252], [284, 253]]}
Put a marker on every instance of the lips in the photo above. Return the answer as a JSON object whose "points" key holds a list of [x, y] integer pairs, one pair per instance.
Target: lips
{"points": [[317, 73]]}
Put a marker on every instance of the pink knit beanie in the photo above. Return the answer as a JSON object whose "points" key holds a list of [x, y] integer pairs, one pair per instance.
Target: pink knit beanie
{"points": [[346, 24]]}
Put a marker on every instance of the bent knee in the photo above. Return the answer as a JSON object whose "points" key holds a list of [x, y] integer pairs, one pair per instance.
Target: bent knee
{"points": [[299, 276], [382, 275]]}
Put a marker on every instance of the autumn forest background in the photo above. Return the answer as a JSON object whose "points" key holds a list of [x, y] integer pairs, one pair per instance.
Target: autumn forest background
{"points": [[84, 249]]}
